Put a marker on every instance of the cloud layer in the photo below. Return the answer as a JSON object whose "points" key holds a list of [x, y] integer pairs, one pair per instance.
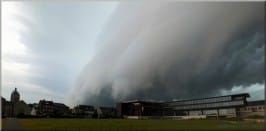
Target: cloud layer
{"points": [[174, 50], [45, 45], [133, 50]]}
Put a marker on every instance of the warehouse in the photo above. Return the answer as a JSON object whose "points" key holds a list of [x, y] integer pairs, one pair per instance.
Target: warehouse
{"points": [[253, 109], [221, 106]]}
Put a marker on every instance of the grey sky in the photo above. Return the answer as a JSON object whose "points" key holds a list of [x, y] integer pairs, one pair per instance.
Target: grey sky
{"points": [[100, 52], [54, 39]]}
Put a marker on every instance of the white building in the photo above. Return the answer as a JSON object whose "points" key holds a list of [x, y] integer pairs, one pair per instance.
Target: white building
{"points": [[253, 109]]}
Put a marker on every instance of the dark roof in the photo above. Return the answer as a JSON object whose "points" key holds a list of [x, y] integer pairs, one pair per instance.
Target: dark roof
{"points": [[241, 94], [140, 101], [60, 105], [46, 102], [255, 103]]}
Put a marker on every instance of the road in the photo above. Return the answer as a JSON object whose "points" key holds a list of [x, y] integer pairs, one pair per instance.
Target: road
{"points": [[11, 124]]}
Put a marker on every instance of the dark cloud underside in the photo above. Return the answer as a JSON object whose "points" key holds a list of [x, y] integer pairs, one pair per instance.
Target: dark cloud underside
{"points": [[175, 50]]}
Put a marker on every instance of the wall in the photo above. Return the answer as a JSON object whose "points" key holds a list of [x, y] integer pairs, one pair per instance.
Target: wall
{"points": [[252, 111]]}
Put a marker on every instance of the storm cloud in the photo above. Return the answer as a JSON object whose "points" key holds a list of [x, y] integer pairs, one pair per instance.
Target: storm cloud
{"points": [[174, 50], [45, 45]]}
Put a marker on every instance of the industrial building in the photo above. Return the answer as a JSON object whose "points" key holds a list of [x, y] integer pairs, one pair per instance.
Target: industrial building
{"points": [[253, 108], [221, 106]]}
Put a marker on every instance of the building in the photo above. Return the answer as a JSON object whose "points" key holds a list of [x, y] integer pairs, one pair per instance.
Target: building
{"points": [[21, 109], [33, 108], [137, 108], [15, 96], [253, 109], [33, 111], [45, 108], [84, 111], [50, 109], [3, 103], [221, 106], [15, 107], [61, 110], [106, 112]]}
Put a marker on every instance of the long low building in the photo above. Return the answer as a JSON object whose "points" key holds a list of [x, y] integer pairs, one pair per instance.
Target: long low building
{"points": [[221, 106], [253, 108]]}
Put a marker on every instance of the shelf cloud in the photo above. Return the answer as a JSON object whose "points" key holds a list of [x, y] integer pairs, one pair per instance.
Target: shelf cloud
{"points": [[174, 50]]}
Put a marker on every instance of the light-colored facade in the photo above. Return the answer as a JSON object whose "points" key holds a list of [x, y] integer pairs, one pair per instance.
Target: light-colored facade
{"points": [[253, 109], [235, 105]]}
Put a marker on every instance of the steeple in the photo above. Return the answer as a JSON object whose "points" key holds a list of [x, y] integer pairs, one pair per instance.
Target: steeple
{"points": [[15, 96]]}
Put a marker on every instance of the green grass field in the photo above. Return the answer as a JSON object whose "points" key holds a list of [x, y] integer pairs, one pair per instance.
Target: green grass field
{"points": [[2, 122], [122, 124]]}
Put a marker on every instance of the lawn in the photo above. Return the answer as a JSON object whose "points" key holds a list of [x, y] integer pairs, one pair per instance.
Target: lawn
{"points": [[126, 124], [2, 122]]}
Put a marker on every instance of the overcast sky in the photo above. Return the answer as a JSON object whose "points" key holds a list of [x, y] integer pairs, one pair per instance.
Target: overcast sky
{"points": [[46, 44], [101, 52]]}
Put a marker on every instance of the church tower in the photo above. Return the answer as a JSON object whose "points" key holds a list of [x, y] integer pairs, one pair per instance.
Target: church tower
{"points": [[15, 96]]}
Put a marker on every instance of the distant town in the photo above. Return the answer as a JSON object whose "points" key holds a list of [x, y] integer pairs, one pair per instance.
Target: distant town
{"points": [[221, 106], [19, 108]]}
